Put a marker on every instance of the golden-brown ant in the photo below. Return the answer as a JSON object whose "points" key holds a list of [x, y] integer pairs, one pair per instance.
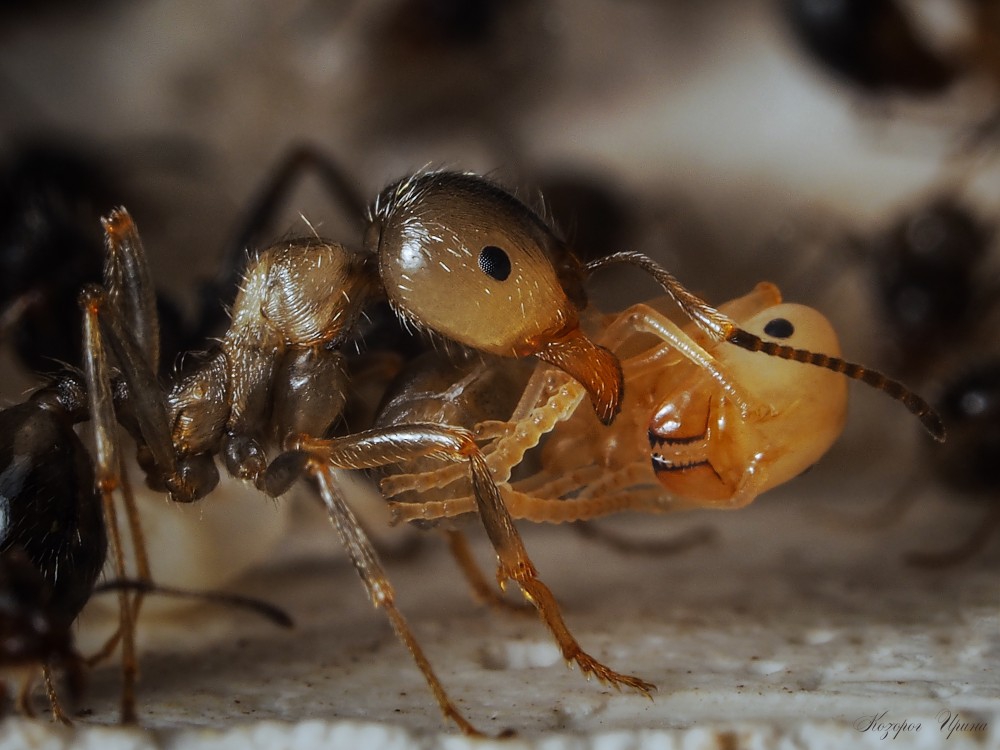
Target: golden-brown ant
{"points": [[457, 257]]}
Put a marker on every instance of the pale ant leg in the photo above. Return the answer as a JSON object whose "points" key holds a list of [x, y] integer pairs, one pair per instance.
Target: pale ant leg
{"points": [[458, 545], [542, 488], [964, 551], [682, 542], [542, 505], [514, 438], [720, 327], [562, 483], [383, 446], [644, 319]]}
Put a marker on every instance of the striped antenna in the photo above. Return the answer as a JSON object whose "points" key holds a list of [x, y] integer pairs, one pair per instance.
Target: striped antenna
{"points": [[922, 410]]}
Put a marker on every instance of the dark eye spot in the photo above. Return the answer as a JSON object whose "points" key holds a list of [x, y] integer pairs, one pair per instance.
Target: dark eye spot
{"points": [[494, 262], [779, 328]]}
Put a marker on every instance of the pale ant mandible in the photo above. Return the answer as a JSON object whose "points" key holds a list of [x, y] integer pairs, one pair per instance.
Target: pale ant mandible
{"points": [[457, 257]]}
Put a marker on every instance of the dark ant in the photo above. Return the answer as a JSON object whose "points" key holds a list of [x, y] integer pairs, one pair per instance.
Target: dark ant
{"points": [[876, 47], [52, 196], [433, 64], [53, 542], [872, 44], [50, 244], [34, 632], [967, 464], [933, 281]]}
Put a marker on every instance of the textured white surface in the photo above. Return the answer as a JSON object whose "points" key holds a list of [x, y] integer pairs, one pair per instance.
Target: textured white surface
{"points": [[787, 630]]}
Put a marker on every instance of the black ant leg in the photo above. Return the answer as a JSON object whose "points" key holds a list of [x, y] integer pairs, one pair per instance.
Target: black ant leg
{"points": [[107, 465], [259, 219], [121, 320], [365, 559]]}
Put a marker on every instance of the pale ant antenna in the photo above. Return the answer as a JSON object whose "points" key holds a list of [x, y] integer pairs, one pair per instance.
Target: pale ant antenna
{"points": [[721, 328]]}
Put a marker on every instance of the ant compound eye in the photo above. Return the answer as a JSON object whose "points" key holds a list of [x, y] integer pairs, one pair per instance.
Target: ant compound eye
{"points": [[494, 262], [779, 328]]}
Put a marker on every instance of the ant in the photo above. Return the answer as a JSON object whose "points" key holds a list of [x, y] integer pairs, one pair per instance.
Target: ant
{"points": [[870, 43], [932, 280], [458, 258], [878, 47], [970, 406], [50, 244], [53, 543], [935, 280], [51, 198], [703, 424]]}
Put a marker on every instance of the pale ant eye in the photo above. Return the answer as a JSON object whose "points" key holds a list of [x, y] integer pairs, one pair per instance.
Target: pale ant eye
{"points": [[779, 328], [494, 262]]}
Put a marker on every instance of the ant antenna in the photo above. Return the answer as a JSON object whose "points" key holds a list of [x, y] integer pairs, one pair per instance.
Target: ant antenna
{"points": [[268, 611], [721, 328], [917, 406]]}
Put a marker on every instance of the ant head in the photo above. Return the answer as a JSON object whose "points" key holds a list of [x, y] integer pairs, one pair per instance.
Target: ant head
{"points": [[462, 258]]}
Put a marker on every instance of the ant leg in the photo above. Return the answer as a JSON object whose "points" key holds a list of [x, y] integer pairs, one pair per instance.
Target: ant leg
{"points": [[50, 689], [532, 419], [366, 562], [144, 399], [695, 537], [458, 545], [129, 285], [964, 551], [644, 319], [134, 344], [389, 445]]}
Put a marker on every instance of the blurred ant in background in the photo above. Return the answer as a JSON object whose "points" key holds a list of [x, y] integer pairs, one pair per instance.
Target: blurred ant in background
{"points": [[884, 48], [52, 195], [934, 273]]}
